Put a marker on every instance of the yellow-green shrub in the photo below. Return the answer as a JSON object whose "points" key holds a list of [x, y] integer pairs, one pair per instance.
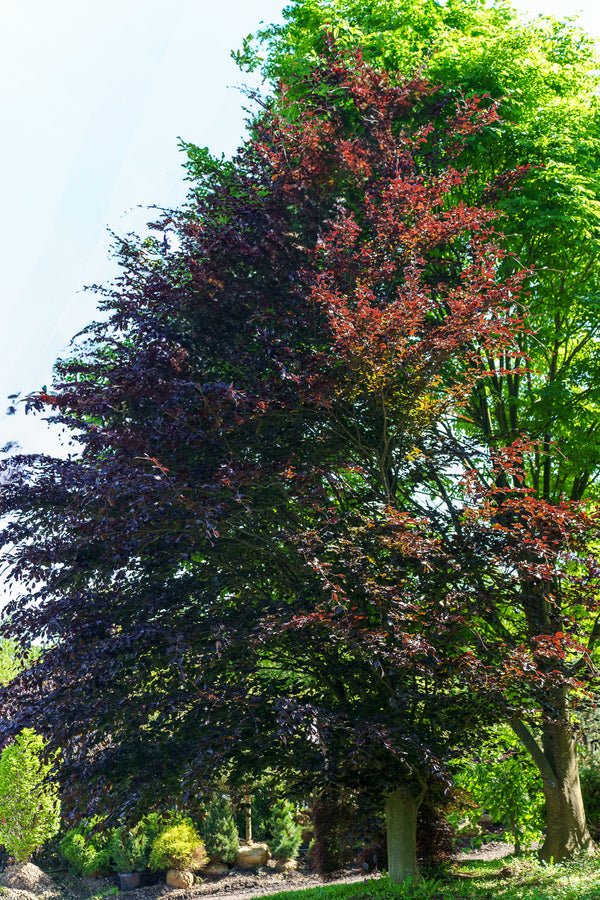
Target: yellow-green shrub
{"points": [[29, 803], [176, 847]]}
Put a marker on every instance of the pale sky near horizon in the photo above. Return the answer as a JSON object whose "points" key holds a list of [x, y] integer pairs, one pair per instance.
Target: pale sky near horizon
{"points": [[93, 99]]}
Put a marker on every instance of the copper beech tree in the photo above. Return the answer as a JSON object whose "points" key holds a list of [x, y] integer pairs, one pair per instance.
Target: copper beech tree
{"points": [[280, 546]]}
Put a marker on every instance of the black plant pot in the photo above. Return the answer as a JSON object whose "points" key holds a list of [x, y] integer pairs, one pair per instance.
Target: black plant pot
{"points": [[130, 881]]}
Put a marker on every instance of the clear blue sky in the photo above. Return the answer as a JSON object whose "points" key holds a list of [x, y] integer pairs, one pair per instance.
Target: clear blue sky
{"points": [[93, 98]]}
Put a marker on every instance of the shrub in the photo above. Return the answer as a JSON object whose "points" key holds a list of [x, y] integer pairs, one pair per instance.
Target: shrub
{"points": [[287, 834], [435, 838], [505, 781], [154, 823], [330, 850], [175, 847], [87, 853], [29, 803], [129, 849], [589, 773], [220, 834]]}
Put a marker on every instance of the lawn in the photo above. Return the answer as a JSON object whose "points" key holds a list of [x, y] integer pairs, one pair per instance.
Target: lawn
{"points": [[517, 879]]}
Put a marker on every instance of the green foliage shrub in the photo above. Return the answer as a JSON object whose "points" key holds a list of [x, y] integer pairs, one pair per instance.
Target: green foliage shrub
{"points": [[219, 830], [155, 823], [87, 853], [129, 849], [175, 847], [29, 803], [286, 833], [505, 781], [589, 774]]}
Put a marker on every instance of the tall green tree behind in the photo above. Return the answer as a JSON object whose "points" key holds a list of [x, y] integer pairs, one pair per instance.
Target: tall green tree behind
{"points": [[548, 392], [546, 73]]}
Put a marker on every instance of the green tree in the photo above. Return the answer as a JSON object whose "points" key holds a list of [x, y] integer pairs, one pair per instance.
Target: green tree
{"points": [[219, 830], [503, 778], [29, 803], [13, 660], [547, 389], [287, 834]]}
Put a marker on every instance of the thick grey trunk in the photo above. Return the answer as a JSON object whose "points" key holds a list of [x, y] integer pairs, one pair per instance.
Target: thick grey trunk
{"points": [[401, 824], [566, 828], [567, 832]]}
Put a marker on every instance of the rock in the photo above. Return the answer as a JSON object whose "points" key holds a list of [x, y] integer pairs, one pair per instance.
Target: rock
{"points": [[250, 855], [286, 865], [466, 828], [27, 877], [215, 868], [180, 878]]}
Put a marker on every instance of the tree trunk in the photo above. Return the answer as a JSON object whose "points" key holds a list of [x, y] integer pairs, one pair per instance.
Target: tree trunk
{"points": [[567, 832], [401, 824]]}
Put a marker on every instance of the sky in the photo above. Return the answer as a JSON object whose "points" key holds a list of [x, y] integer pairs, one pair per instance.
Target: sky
{"points": [[93, 99]]}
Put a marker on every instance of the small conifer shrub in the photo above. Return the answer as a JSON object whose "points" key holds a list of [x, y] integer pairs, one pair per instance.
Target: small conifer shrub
{"points": [[287, 834], [219, 831], [129, 849], [87, 853]]}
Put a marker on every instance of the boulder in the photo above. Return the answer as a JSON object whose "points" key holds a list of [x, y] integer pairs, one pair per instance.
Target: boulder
{"points": [[466, 828], [28, 877], [250, 855], [180, 878], [286, 865], [215, 868]]}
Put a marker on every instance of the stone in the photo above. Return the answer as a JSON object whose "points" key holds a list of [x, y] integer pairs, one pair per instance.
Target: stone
{"points": [[215, 868], [286, 865], [27, 877], [466, 828], [180, 878], [250, 855]]}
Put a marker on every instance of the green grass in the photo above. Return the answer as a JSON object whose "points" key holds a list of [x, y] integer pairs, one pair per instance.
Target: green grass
{"points": [[506, 879]]}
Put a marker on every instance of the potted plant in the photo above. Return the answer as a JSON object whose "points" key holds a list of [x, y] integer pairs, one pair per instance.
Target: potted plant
{"points": [[129, 851]]}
